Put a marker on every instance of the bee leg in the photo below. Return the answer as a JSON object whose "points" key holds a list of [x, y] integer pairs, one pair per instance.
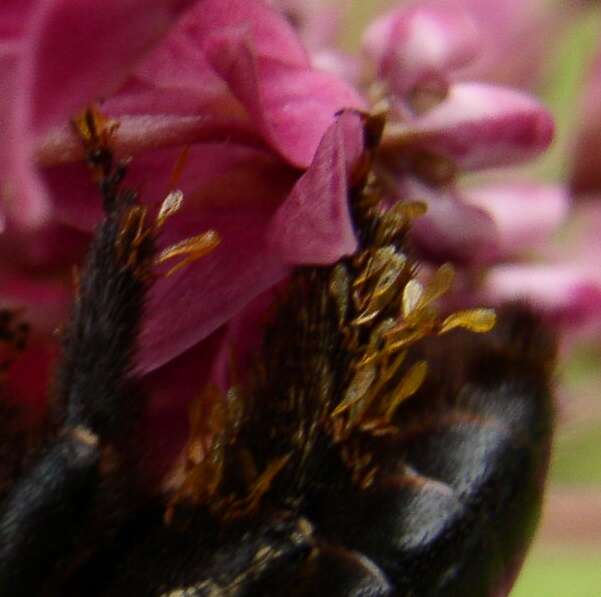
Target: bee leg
{"points": [[45, 513]]}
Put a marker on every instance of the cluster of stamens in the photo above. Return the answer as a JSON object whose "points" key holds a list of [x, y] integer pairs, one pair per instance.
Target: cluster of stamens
{"points": [[384, 310], [215, 420], [96, 131]]}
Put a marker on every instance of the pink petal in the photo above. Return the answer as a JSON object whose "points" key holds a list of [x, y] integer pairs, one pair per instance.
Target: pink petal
{"points": [[76, 52], [13, 17], [45, 300], [30, 375], [70, 53], [214, 176], [451, 230], [479, 126], [570, 294], [172, 387], [582, 240], [345, 66], [185, 308], [292, 106], [316, 23], [180, 61], [243, 338], [21, 191], [43, 250], [188, 306], [411, 45], [314, 224], [525, 214], [8, 59]]}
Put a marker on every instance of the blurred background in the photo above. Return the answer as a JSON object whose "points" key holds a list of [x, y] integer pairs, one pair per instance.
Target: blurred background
{"points": [[553, 50]]}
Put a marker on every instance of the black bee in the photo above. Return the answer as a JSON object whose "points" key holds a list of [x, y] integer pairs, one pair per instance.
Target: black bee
{"points": [[375, 447]]}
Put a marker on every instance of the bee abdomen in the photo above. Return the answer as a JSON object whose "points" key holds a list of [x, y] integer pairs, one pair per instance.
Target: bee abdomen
{"points": [[460, 498]]}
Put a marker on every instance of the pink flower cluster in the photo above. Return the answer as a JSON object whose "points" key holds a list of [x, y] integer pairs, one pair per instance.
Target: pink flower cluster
{"points": [[499, 228], [265, 109]]}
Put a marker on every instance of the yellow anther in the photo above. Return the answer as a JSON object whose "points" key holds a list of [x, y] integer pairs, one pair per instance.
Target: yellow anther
{"points": [[410, 383], [475, 320], [170, 206], [94, 128], [412, 296], [190, 249], [358, 387]]}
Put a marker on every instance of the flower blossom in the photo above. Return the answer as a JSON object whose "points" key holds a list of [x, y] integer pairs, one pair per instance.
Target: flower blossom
{"points": [[250, 110], [444, 128], [261, 130], [224, 87], [229, 80], [440, 127]]}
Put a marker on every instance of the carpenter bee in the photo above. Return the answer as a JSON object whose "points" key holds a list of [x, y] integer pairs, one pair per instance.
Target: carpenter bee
{"points": [[375, 447]]}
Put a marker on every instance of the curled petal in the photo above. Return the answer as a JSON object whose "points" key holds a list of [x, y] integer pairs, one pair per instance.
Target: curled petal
{"points": [[525, 214], [420, 43], [569, 294], [142, 130], [291, 106], [8, 59], [22, 194], [478, 126], [180, 61], [314, 225], [255, 248]]}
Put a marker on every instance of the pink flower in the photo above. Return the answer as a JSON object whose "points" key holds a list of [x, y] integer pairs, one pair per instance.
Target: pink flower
{"points": [[441, 127], [562, 278], [420, 45], [258, 100], [526, 214], [229, 80]]}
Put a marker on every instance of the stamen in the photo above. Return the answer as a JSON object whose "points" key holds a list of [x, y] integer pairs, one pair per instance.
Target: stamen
{"points": [[412, 295], [475, 320], [178, 168], [191, 248], [410, 384], [170, 206], [94, 128]]}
